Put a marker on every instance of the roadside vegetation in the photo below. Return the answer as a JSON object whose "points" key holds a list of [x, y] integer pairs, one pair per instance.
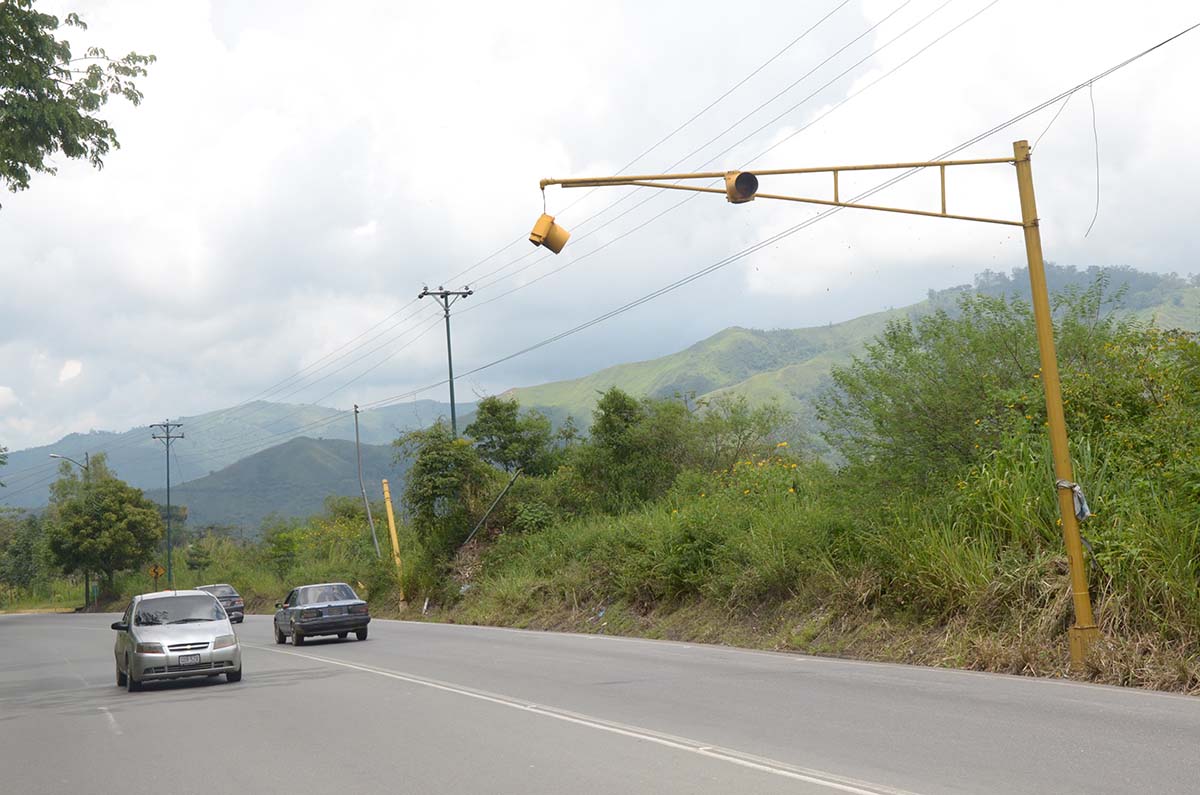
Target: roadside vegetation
{"points": [[931, 537]]}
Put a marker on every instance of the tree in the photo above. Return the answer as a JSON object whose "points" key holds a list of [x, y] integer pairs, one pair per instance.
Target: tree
{"points": [[730, 430], [932, 395], [21, 549], [636, 449], [3, 460], [510, 440], [49, 98], [100, 523], [445, 487]]}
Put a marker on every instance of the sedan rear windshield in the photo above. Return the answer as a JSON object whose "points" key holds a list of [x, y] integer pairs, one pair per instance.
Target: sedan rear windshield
{"points": [[318, 594], [220, 590], [178, 610]]}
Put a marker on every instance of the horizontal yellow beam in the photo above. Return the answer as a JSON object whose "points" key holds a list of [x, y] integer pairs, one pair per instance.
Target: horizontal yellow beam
{"points": [[591, 182], [827, 203]]}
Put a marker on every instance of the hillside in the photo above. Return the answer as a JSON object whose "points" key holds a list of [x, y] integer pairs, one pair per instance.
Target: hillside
{"points": [[212, 441], [791, 365], [291, 479]]}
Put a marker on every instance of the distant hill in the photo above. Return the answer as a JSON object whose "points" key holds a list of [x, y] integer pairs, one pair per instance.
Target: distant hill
{"points": [[791, 366], [213, 441], [291, 479]]}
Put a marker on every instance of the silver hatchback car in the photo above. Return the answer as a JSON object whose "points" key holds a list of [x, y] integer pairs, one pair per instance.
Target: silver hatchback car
{"points": [[173, 634]]}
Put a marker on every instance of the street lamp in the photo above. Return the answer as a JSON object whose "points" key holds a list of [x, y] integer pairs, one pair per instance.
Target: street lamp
{"points": [[87, 577], [742, 186], [84, 466]]}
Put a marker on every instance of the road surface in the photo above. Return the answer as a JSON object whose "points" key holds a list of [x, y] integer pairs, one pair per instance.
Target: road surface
{"points": [[431, 708]]}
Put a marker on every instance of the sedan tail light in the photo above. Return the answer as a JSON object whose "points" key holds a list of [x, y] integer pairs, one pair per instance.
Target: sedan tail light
{"points": [[311, 613], [358, 609]]}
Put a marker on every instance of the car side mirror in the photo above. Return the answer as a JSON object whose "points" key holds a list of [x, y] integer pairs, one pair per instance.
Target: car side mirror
{"points": [[280, 605], [120, 626]]}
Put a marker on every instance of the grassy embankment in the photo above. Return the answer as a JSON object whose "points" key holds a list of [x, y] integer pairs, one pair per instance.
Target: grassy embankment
{"points": [[790, 556]]}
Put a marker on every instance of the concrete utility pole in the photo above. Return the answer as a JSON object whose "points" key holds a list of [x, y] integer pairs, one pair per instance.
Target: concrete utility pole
{"points": [[363, 486], [447, 298], [166, 437]]}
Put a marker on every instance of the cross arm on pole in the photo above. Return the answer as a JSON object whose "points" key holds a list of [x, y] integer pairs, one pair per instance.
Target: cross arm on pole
{"points": [[738, 189]]}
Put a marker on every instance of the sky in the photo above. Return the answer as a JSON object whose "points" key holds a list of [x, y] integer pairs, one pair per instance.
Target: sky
{"points": [[298, 171]]}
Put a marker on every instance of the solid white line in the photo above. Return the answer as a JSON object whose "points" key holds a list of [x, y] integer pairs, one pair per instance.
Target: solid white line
{"points": [[762, 764], [911, 669], [112, 721]]}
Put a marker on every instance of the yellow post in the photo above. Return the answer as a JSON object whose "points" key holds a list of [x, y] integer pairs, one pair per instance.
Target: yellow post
{"points": [[387, 502], [1085, 631]]}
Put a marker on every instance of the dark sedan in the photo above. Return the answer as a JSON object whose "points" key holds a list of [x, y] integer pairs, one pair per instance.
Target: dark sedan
{"points": [[229, 598], [331, 608]]}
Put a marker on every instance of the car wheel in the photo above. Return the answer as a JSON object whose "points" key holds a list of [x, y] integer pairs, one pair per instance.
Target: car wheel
{"points": [[233, 676], [279, 636], [342, 635], [131, 685], [297, 638], [120, 677], [361, 634]]}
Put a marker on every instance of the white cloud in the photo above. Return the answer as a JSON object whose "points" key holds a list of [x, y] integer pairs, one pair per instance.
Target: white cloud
{"points": [[297, 172], [71, 369]]}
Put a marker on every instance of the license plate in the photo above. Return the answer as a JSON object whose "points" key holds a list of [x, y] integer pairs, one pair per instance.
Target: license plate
{"points": [[189, 659], [335, 611]]}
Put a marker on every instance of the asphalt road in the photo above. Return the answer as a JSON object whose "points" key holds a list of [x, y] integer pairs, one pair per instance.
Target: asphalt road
{"points": [[428, 708]]}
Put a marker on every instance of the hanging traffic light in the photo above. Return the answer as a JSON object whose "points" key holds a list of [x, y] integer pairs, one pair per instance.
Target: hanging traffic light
{"points": [[740, 186], [549, 234]]}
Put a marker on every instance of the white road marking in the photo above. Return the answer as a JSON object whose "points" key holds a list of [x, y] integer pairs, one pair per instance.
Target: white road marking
{"points": [[112, 721], [762, 764]]}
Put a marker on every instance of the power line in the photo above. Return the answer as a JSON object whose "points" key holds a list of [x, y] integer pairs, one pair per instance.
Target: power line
{"points": [[671, 287], [223, 452], [679, 128], [814, 121], [456, 277], [746, 137], [290, 381]]}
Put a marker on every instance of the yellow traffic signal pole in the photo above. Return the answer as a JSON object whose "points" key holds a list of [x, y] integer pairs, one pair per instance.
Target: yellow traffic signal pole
{"points": [[741, 187], [387, 502], [1085, 631]]}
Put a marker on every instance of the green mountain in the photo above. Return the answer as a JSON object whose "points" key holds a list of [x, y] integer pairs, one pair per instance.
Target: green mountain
{"points": [[212, 441], [791, 366], [788, 364], [252, 443], [290, 480]]}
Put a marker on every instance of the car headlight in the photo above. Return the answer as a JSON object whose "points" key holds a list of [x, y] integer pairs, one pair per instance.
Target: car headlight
{"points": [[224, 642], [150, 648]]}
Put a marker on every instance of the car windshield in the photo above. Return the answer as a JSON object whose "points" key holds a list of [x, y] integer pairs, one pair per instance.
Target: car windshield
{"points": [[317, 594], [178, 610], [220, 590]]}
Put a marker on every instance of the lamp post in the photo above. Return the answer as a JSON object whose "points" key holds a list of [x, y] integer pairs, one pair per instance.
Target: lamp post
{"points": [[742, 187], [87, 579], [83, 466]]}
